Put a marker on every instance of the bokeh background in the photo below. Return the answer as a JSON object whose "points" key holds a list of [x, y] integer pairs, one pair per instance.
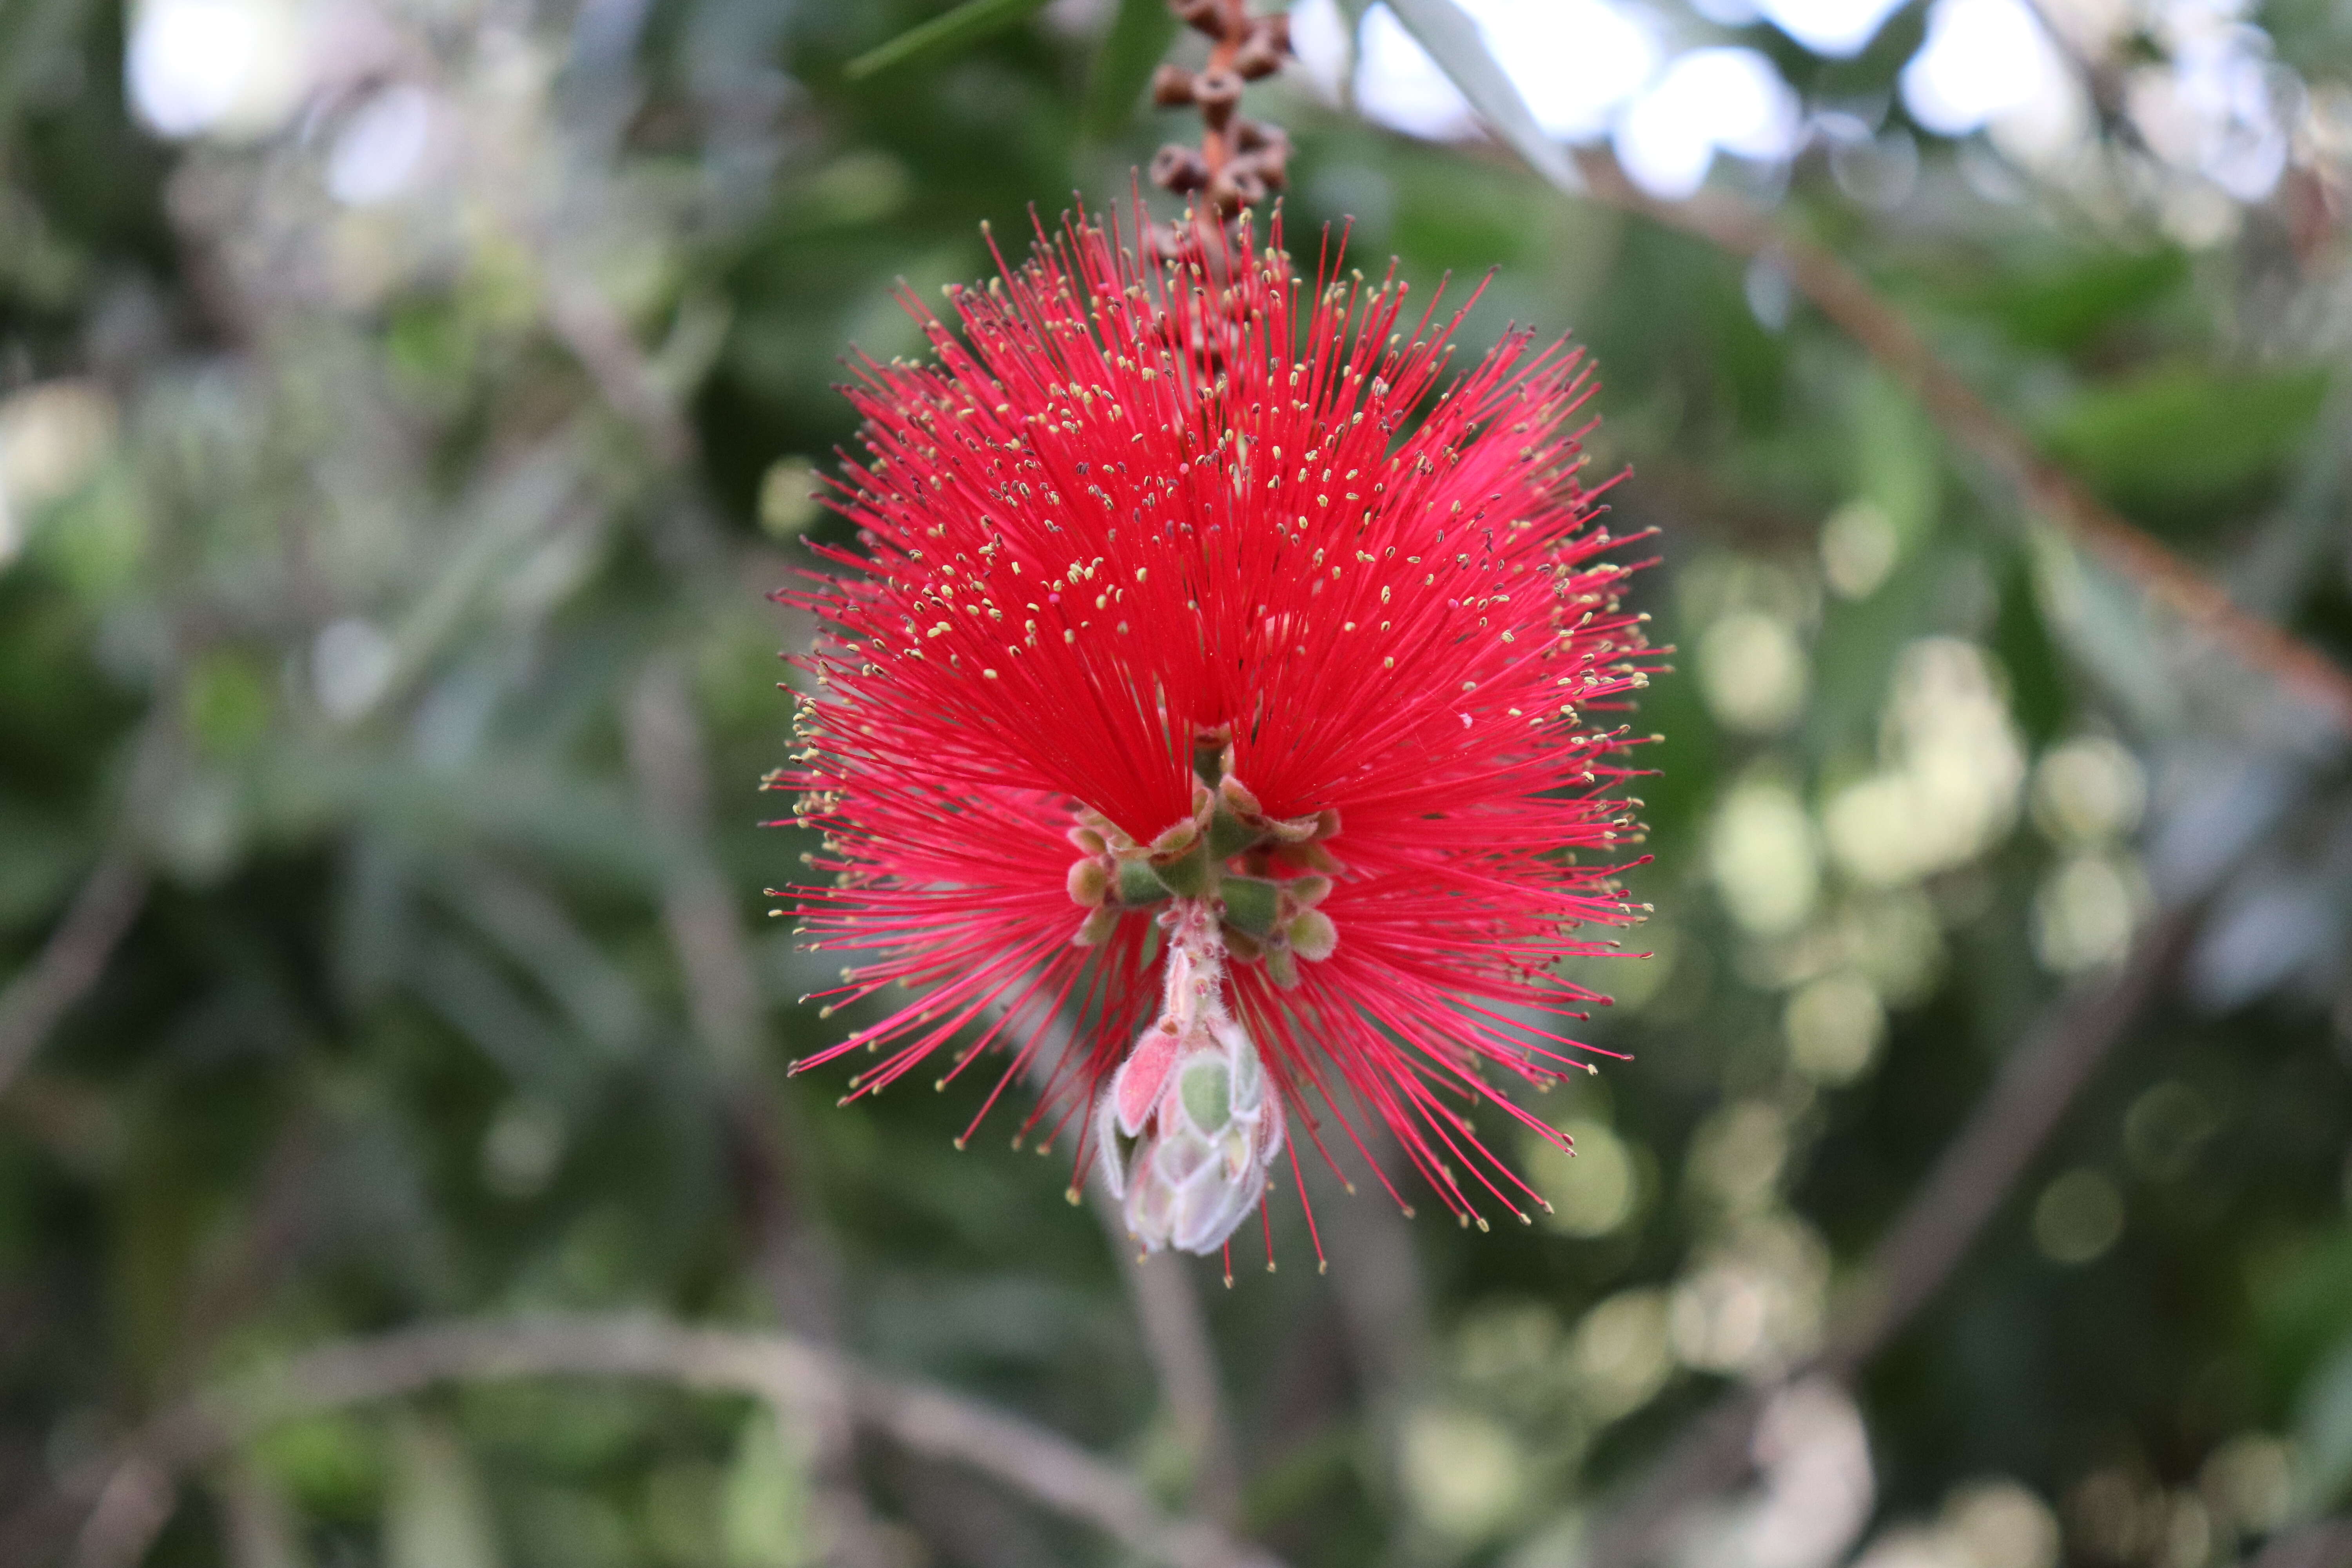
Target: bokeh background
{"points": [[405, 406]]}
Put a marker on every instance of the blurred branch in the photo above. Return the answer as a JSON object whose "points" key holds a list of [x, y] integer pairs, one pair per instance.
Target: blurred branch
{"points": [[268, 1236], [1175, 1331], [2327, 1544], [1176, 1338], [665, 758], [1846, 298], [71, 961], [1384, 1311], [601, 339], [2037, 1082], [722, 995], [2103, 81], [1689, 497], [722, 990], [132, 1491]]}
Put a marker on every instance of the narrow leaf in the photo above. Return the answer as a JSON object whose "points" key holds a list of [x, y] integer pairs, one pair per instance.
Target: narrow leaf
{"points": [[1453, 41], [1138, 40], [438, 1514], [971, 21], [1351, 52]]}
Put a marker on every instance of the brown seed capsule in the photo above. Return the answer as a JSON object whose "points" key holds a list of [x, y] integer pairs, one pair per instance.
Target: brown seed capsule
{"points": [[1171, 85], [1206, 15], [1218, 93], [1269, 167], [1257, 135], [1180, 169], [1257, 57]]}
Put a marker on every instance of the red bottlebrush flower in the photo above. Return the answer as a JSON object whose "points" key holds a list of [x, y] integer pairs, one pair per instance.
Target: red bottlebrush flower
{"points": [[1213, 680]]}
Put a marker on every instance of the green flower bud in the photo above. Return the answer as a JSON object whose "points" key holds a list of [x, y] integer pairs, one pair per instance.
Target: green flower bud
{"points": [[1088, 883], [1313, 936]]}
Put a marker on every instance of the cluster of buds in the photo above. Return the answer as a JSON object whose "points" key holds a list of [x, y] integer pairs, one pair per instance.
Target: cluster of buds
{"points": [[1240, 161], [1259, 877]]}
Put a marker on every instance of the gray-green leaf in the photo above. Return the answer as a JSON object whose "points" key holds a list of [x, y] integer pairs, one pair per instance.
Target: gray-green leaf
{"points": [[1453, 41], [973, 20]]}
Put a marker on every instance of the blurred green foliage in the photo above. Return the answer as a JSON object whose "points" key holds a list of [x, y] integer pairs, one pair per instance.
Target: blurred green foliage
{"points": [[386, 577]]}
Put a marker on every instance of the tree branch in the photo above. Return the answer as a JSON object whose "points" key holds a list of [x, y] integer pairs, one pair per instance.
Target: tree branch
{"points": [[666, 759], [666, 751], [2037, 1083], [600, 338], [1037, 1463], [1846, 298], [71, 961], [2327, 1544], [1176, 1336], [2030, 1095]]}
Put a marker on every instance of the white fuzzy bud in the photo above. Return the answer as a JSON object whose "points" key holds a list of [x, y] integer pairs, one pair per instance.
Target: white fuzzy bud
{"points": [[1189, 1125]]}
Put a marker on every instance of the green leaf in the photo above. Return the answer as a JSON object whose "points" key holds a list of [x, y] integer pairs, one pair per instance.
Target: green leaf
{"points": [[1139, 36], [763, 1511], [1897, 453], [2177, 444], [332, 1466], [2039, 695], [2064, 310], [1453, 41], [2105, 622], [438, 1515], [2323, 1430], [973, 20]]}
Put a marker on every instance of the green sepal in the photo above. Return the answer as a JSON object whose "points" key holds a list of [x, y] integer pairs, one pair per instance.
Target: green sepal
{"points": [[1209, 759], [1185, 875], [1229, 834], [1251, 904], [1207, 1090], [1138, 885], [1310, 857]]}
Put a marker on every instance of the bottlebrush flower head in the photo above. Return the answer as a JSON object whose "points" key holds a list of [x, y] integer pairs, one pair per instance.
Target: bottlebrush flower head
{"points": [[1207, 719]]}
